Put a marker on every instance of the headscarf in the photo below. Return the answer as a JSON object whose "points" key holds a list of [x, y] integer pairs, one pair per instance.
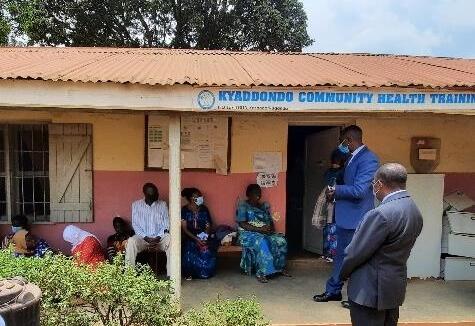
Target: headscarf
{"points": [[75, 235]]}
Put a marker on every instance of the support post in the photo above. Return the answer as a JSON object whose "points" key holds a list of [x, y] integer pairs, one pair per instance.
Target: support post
{"points": [[175, 202]]}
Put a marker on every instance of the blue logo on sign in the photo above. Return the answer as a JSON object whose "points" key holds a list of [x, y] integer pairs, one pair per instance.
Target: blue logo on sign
{"points": [[206, 100]]}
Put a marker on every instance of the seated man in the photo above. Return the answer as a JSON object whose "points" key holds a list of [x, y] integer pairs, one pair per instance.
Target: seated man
{"points": [[117, 242], [151, 224]]}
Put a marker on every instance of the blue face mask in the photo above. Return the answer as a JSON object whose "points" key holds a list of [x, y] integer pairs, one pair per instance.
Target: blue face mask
{"points": [[199, 201], [15, 229], [344, 148]]}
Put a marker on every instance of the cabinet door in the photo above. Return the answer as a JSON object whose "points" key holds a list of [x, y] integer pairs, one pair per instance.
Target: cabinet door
{"points": [[427, 190]]}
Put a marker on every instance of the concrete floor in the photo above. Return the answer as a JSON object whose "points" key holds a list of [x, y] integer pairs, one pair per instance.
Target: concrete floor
{"points": [[289, 300]]}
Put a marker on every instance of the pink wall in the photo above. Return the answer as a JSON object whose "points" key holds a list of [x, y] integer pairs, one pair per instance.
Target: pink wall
{"points": [[115, 191]]}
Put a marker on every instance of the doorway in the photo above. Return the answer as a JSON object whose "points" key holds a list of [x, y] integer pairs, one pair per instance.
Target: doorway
{"points": [[309, 150]]}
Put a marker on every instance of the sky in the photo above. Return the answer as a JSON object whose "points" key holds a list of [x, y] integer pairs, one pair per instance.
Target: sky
{"points": [[417, 27]]}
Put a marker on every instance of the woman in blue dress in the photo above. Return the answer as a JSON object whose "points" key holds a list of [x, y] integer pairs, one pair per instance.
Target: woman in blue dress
{"points": [[199, 248], [264, 251]]}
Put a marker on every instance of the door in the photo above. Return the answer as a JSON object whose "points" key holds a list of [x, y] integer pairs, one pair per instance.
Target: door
{"points": [[318, 149]]}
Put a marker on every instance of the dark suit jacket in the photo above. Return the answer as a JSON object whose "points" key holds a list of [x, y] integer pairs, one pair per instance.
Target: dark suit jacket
{"points": [[376, 259], [354, 198]]}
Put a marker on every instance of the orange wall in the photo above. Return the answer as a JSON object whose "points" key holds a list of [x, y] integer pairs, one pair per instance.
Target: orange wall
{"points": [[391, 139], [118, 139], [257, 134]]}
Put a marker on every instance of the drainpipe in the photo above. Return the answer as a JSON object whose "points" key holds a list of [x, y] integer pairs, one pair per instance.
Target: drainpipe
{"points": [[175, 202]]}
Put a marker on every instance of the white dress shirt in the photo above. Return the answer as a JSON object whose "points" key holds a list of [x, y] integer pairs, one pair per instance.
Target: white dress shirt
{"points": [[150, 220], [355, 153], [393, 193]]}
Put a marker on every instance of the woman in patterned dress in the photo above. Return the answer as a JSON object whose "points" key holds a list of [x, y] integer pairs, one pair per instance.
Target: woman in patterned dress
{"points": [[22, 242], [264, 251], [86, 248], [199, 247]]}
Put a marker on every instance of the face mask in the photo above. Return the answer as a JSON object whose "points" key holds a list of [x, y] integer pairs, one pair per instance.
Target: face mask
{"points": [[375, 192], [344, 148], [199, 200], [15, 229]]}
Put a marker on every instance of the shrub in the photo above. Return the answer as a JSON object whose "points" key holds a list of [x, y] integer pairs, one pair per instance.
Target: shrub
{"points": [[238, 312], [114, 295], [109, 295]]}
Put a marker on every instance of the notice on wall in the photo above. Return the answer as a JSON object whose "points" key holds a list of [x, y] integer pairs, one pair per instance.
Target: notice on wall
{"points": [[267, 180], [157, 140], [204, 142], [267, 162]]}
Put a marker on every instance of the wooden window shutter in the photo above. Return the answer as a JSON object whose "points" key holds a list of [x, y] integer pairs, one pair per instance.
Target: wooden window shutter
{"points": [[70, 173]]}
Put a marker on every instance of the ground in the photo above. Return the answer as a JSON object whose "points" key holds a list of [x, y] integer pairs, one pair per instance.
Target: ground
{"points": [[289, 301]]}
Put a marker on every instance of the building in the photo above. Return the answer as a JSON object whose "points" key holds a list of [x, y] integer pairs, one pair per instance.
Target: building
{"points": [[82, 129]]}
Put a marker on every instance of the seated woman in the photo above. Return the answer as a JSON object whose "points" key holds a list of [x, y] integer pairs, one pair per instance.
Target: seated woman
{"points": [[117, 242], [263, 250], [199, 249], [86, 248], [22, 241]]}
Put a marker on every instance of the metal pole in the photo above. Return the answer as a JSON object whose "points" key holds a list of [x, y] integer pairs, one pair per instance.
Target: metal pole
{"points": [[175, 202]]}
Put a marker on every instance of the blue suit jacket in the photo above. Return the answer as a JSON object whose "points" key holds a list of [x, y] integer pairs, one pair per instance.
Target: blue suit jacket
{"points": [[355, 197]]}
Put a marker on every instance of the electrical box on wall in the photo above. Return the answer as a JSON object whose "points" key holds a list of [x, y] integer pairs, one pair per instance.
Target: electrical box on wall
{"points": [[425, 154]]}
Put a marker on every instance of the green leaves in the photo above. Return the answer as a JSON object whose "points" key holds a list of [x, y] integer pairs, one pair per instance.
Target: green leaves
{"points": [[268, 25], [115, 295], [109, 295], [239, 312], [4, 24]]}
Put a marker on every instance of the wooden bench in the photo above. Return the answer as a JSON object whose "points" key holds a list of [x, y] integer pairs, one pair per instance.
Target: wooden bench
{"points": [[226, 250]]}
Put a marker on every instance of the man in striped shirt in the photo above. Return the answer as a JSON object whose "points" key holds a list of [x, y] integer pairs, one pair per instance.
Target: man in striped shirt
{"points": [[151, 224]]}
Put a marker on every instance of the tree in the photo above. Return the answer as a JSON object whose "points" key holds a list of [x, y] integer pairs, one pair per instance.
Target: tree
{"points": [[269, 25], [4, 24]]}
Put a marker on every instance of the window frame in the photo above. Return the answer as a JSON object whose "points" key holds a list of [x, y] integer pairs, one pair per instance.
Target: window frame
{"points": [[9, 152]]}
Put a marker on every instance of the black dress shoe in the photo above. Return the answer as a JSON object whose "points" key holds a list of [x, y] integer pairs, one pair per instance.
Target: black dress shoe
{"points": [[326, 297], [345, 304]]}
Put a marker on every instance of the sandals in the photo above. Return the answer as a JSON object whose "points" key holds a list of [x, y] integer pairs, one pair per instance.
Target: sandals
{"points": [[262, 279], [285, 273]]}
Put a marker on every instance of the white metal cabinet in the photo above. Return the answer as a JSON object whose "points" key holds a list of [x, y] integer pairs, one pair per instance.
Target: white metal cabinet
{"points": [[461, 237], [458, 269]]}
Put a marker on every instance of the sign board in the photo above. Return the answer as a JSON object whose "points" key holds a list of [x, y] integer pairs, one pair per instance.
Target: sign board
{"points": [[268, 100], [204, 142]]}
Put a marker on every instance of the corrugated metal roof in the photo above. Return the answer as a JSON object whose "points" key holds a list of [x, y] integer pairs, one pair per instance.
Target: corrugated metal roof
{"points": [[223, 68]]}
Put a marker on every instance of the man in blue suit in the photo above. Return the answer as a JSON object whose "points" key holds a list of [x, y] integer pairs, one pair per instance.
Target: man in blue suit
{"points": [[353, 200]]}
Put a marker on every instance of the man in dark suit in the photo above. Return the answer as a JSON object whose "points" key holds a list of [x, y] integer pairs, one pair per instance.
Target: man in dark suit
{"points": [[353, 200], [376, 259]]}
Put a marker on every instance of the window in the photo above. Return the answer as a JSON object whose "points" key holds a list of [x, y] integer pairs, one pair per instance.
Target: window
{"points": [[3, 175], [24, 182], [46, 172]]}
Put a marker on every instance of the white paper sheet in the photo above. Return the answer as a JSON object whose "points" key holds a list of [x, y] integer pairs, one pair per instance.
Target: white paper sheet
{"points": [[267, 180], [267, 162]]}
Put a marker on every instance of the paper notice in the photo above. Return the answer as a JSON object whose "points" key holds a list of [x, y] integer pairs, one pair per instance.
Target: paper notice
{"points": [[155, 158], [267, 180], [155, 137], [220, 165], [267, 162]]}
